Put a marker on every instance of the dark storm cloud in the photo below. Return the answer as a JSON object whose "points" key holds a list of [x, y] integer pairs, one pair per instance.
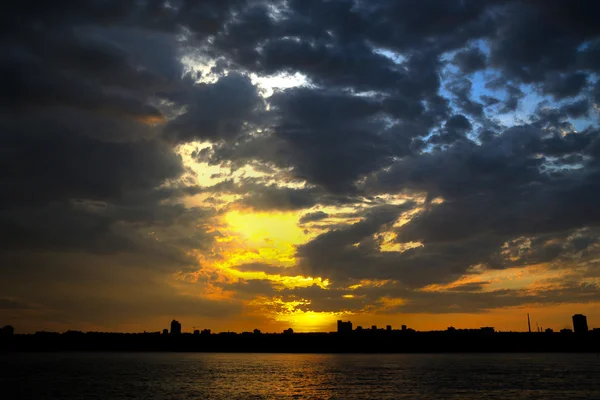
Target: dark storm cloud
{"points": [[461, 90], [312, 217], [82, 87], [455, 129], [83, 91], [470, 60], [458, 123], [330, 137], [537, 38], [563, 86], [280, 198], [259, 267], [466, 298], [493, 192], [310, 40], [260, 195], [460, 302], [577, 109], [94, 97], [468, 168], [396, 25], [249, 288], [470, 287], [351, 251], [526, 181], [503, 188], [316, 40], [219, 111]]}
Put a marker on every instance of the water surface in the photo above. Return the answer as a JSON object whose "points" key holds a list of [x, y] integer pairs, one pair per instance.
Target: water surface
{"points": [[299, 376]]}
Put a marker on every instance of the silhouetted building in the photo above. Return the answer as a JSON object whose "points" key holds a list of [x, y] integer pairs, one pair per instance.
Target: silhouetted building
{"points": [[373, 327], [344, 327], [257, 331], [566, 330], [7, 330], [165, 332], [196, 332], [205, 332], [175, 328], [288, 331], [549, 330], [451, 329], [359, 328], [487, 329], [388, 328], [580, 323], [403, 327]]}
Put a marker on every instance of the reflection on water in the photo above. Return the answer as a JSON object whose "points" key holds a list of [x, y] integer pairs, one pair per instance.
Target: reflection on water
{"points": [[299, 376]]}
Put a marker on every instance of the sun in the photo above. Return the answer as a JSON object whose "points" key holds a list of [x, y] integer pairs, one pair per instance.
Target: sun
{"points": [[263, 237], [251, 237], [258, 228], [309, 321]]}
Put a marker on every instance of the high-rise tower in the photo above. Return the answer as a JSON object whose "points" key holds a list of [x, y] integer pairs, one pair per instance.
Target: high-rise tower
{"points": [[580, 323]]}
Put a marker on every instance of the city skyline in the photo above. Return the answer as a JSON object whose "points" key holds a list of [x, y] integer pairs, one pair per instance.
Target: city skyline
{"points": [[289, 163], [579, 325]]}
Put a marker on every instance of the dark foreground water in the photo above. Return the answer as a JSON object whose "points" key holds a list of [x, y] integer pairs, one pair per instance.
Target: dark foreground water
{"points": [[299, 376]]}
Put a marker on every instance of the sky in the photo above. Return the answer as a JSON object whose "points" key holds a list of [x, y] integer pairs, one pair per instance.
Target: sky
{"points": [[241, 164]]}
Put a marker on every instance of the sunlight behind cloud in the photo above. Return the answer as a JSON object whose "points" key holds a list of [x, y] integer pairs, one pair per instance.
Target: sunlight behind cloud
{"points": [[267, 239], [309, 321], [281, 81], [278, 230]]}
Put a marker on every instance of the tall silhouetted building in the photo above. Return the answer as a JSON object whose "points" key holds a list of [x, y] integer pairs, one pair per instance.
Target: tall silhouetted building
{"points": [[580, 323], [175, 328], [344, 327], [388, 328]]}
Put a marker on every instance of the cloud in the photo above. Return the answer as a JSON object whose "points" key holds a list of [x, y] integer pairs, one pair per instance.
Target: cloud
{"points": [[218, 111], [569, 85], [312, 217], [470, 60], [260, 267], [426, 144]]}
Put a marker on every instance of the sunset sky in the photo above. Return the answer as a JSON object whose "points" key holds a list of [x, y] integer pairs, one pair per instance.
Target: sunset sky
{"points": [[240, 164]]}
